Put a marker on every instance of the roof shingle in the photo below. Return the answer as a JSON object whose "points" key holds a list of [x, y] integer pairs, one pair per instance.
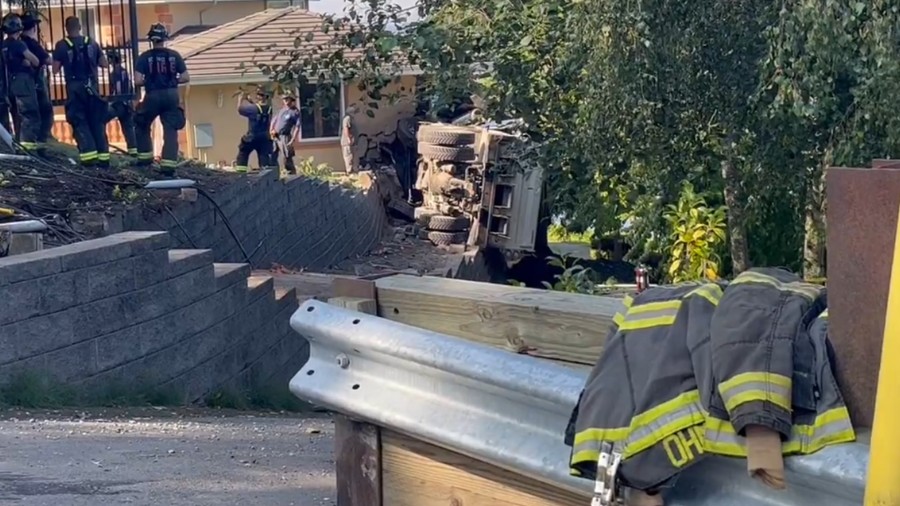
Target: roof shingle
{"points": [[217, 55]]}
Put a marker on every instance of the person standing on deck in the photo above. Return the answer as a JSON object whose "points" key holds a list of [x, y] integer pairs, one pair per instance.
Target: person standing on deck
{"points": [[285, 129]]}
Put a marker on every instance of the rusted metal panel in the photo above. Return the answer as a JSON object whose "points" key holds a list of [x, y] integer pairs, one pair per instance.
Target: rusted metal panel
{"points": [[861, 217]]}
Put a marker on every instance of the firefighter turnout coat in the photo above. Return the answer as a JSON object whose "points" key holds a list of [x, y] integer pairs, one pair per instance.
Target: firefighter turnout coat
{"points": [[687, 368]]}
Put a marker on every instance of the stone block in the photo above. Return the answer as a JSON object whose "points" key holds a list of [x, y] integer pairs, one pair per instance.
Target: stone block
{"points": [[29, 266], [150, 268], [73, 362], [186, 260], [19, 244], [67, 289], [109, 249], [109, 279], [20, 301], [229, 274], [43, 334]]}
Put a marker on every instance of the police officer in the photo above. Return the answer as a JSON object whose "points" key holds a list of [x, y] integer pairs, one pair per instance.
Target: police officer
{"points": [[285, 128], [160, 70], [86, 111], [259, 116], [31, 24], [20, 65], [122, 91]]}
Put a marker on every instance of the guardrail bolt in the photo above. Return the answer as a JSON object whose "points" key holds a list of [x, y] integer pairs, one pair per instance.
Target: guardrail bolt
{"points": [[343, 361]]}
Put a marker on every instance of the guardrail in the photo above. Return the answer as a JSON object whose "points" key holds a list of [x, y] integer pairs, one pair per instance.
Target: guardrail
{"points": [[511, 410]]}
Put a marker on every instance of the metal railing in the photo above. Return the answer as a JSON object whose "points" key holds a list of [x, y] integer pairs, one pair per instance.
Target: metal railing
{"points": [[511, 410]]}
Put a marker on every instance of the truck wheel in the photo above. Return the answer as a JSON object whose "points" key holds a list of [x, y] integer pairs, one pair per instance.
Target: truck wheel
{"points": [[447, 238], [448, 223], [446, 153], [445, 135], [423, 216]]}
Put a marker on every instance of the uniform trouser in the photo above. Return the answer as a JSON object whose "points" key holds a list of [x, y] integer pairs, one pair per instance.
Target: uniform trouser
{"points": [[23, 90], [86, 112], [4, 111], [261, 143], [349, 159], [284, 145], [124, 112], [162, 104], [45, 109]]}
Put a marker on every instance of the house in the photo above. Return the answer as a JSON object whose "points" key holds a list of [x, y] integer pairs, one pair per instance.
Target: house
{"points": [[117, 23], [221, 62]]}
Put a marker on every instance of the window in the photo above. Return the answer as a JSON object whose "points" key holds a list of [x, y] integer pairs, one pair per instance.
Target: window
{"points": [[89, 24], [321, 111]]}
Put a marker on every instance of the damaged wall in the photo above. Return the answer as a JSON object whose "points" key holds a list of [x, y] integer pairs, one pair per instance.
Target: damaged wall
{"points": [[125, 311], [295, 222]]}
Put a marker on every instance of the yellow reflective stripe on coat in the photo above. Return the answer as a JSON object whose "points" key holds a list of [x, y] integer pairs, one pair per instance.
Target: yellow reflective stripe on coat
{"points": [[756, 386], [586, 445], [824, 314], [90, 155], [831, 427], [711, 292], [649, 315], [663, 420], [808, 290]]}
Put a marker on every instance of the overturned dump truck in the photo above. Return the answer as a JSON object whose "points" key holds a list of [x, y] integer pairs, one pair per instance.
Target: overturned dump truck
{"points": [[479, 187]]}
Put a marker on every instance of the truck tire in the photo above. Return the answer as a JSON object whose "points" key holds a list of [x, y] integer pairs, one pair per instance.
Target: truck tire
{"points": [[445, 135], [448, 223], [446, 153], [423, 216], [447, 238]]}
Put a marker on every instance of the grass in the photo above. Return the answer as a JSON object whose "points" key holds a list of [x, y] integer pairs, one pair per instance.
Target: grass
{"points": [[557, 233], [36, 391]]}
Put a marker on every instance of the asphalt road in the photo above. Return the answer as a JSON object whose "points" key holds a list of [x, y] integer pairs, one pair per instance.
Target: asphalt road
{"points": [[157, 456]]}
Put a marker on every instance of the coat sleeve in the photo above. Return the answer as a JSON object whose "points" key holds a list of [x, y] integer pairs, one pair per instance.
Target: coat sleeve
{"points": [[752, 337]]}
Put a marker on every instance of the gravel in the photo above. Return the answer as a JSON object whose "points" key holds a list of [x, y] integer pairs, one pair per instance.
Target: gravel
{"points": [[153, 456]]}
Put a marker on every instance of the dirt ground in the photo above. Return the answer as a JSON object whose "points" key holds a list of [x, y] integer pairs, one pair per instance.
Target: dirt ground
{"points": [[175, 457]]}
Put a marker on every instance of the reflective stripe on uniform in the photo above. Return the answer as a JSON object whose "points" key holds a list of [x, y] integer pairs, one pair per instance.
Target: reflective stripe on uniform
{"points": [[145, 156], [29, 145], [168, 163], [241, 168], [90, 155], [756, 387], [824, 314], [132, 151], [663, 420], [658, 314], [808, 290], [831, 427], [103, 157]]}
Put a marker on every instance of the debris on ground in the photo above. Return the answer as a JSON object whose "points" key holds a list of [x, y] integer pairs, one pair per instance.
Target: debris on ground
{"points": [[163, 455], [52, 187]]}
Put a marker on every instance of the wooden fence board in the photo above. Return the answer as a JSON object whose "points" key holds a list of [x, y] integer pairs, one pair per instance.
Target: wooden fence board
{"points": [[415, 473], [547, 324]]}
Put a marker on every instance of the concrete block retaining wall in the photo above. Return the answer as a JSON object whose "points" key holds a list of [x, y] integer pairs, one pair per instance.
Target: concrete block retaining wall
{"points": [[295, 222], [127, 310]]}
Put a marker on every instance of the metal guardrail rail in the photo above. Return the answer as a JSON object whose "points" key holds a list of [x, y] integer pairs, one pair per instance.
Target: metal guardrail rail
{"points": [[511, 410]]}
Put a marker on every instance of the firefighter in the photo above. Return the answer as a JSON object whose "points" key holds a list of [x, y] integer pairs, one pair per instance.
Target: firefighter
{"points": [[86, 111], [31, 23], [123, 91], [259, 116], [285, 128], [159, 70], [20, 65]]}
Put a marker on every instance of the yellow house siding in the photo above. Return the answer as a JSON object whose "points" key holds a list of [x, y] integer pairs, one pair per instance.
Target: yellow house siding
{"points": [[215, 105], [178, 15]]}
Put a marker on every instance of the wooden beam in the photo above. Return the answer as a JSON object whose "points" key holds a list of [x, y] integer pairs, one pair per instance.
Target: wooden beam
{"points": [[357, 445], [556, 325], [357, 461], [420, 474]]}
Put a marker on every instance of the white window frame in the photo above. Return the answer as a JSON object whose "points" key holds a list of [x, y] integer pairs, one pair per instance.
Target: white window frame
{"points": [[342, 112], [86, 14]]}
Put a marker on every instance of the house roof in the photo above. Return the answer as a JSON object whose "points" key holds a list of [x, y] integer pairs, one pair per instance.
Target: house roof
{"points": [[187, 31], [228, 53]]}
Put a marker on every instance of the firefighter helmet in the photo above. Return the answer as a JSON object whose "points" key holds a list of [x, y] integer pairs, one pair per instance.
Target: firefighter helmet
{"points": [[158, 32], [12, 23]]}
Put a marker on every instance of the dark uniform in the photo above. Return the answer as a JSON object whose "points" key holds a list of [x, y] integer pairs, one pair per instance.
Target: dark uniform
{"points": [[161, 68], [257, 137], [5, 98], [42, 89], [122, 90], [86, 111], [287, 119], [22, 88]]}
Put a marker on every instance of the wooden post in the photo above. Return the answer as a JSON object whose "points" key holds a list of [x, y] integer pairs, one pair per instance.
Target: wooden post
{"points": [[357, 445]]}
